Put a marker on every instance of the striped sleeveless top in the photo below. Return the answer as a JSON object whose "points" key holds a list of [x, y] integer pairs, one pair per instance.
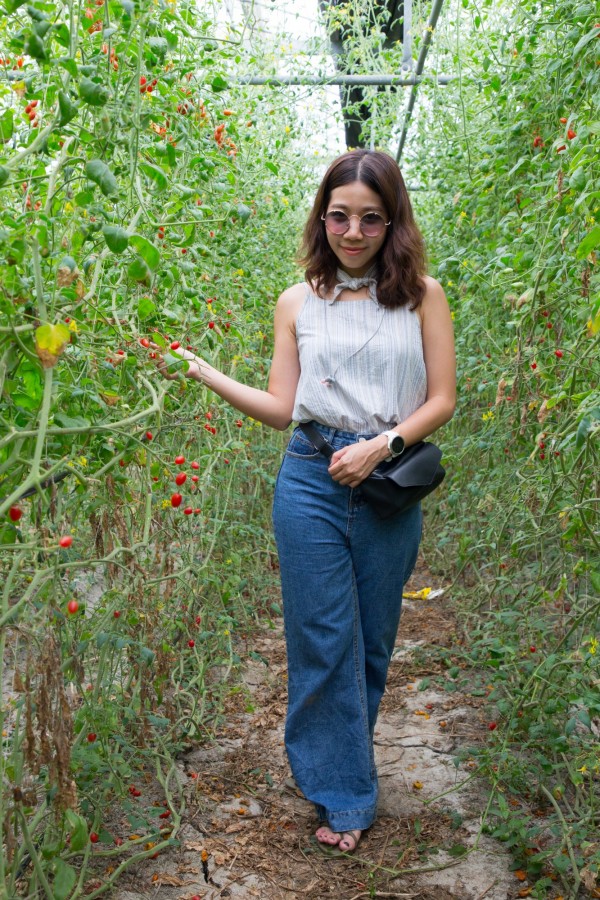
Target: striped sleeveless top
{"points": [[361, 364]]}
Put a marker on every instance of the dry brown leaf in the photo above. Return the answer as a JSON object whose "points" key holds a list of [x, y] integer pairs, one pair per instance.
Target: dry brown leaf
{"points": [[589, 879], [189, 870], [243, 839], [162, 878]]}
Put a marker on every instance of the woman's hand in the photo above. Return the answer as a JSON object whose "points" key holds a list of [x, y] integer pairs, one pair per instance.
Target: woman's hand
{"points": [[194, 369], [352, 464]]}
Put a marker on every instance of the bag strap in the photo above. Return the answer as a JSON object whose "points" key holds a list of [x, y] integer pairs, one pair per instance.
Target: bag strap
{"points": [[316, 438]]}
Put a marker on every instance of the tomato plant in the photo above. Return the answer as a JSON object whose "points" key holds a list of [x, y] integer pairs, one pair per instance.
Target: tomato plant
{"points": [[124, 223]]}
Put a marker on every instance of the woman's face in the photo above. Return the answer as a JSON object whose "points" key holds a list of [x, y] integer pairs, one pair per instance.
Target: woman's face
{"points": [[354, 250]]}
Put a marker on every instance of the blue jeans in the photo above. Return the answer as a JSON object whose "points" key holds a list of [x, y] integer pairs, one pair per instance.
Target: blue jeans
{"points": [[342, 574]]}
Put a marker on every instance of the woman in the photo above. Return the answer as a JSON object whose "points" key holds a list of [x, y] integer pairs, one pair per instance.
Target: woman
{"points": [[364, 351]]}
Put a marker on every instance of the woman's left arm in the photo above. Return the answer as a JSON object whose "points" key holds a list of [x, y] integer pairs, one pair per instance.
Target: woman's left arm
{"points": [[353, 463], [440, 365]]}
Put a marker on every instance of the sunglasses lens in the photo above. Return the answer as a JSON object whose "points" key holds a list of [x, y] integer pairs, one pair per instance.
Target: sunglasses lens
{"points": [[337, 222], [372, 225]]}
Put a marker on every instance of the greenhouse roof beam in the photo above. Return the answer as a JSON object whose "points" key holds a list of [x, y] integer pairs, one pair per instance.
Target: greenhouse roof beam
{"points": [[284, 80], [435, 13]]}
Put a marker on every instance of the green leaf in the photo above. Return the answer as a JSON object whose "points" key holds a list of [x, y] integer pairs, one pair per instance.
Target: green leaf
{"points": [[68, 110], [62, 35], [34, 46], [138, 270], [7, 125], [98, 172], [146, 308], [65, 877], [8, 534], [147, 655], [571, 726], [116, 238], [272, 167], [4, 175], [590, 241], [83, 198], [159, 46], [584, 717], [65, 421], [156, 174], [147, 251], [79, 831], [69, 64], [42, 27], [243, 211], [92, 93], [584, 41], [219, 83]]}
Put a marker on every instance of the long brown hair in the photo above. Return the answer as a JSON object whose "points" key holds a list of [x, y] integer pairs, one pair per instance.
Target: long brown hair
{"points": [[402, 260]]}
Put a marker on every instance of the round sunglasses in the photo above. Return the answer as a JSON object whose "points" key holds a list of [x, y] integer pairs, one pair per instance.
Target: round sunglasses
{"points": [[371, 224]]}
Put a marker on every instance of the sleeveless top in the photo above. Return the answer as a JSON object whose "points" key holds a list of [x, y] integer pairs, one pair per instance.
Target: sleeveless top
{"points": [[361, 364]]}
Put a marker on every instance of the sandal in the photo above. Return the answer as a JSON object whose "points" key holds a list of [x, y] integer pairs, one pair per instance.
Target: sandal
{"points": [[350, 837]]}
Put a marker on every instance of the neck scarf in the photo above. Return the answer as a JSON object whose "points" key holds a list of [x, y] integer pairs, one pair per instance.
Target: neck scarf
{"points": [[346, 282]]}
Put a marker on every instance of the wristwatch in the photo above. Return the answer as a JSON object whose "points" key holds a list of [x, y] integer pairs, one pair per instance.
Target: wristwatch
{"points": [[395, 444]]}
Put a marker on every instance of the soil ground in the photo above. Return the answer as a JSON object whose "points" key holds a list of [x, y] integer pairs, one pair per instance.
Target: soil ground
{"points": [[254, 829]]}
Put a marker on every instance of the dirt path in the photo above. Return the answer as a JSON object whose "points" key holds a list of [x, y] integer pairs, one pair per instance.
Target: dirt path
{"points": [[246, 815]]}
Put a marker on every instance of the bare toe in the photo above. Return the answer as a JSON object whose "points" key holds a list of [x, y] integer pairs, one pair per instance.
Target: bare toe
{"points": [[325, 835]]}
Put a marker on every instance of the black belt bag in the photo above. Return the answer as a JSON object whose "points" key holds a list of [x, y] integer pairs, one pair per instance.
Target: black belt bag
{"points": [[393, 486]]}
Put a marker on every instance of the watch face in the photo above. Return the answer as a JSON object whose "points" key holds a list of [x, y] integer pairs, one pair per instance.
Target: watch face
{"points": [[397, 444]]}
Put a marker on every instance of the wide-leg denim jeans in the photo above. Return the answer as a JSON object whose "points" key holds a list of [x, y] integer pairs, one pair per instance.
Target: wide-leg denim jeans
{"points": [[342, 574]]}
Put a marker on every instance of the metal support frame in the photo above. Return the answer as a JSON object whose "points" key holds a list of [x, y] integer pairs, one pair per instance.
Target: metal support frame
{"points": [[285, 80], [435, 13], [404, 80]]}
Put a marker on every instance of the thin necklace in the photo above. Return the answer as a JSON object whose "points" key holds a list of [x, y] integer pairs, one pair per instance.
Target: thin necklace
{"points": [[329, 380]]}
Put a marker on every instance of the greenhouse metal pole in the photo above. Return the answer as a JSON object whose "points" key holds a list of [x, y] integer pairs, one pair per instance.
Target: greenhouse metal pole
{"points": [[284, 80], [435, 12]]}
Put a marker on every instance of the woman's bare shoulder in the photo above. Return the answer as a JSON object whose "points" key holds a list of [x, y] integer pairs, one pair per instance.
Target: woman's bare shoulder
{"points": [[433, 289], [293, 294], [289, 305]]}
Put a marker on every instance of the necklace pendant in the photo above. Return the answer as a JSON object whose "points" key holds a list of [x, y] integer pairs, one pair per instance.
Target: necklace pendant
{"points": [[328, 381]]}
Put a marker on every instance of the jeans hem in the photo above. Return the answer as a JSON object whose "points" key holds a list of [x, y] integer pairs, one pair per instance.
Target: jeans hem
{"points": [[351, 819]]}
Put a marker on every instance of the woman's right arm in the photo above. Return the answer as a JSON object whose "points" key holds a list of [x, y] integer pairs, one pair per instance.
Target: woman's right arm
{"points": [[273, 406]]}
